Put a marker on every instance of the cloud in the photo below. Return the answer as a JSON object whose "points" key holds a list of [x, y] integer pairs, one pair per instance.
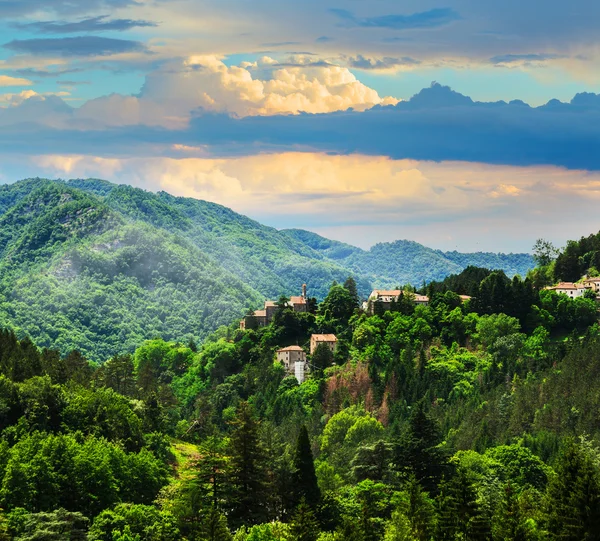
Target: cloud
{"points": [[17, 8], [171, 96], [6, 80], [30, 72], [436, 124], [380, 64], [363, 199], [280, 43], [77, 46], [520, 60], [93, 24], [73, 83], [35, 112], [425, 19]]}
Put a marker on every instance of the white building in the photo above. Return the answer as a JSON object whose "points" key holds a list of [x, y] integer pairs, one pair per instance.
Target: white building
{"points": [[384, 298], [570, 289]]}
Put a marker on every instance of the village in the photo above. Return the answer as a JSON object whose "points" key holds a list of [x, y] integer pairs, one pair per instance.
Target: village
{"points": [[295, 358]]}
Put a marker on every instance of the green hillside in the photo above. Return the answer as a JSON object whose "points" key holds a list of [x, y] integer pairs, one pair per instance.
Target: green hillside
{"points": [[406, 262], [101, 267]]}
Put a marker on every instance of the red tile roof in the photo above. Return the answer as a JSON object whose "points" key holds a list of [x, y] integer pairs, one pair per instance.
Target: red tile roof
{"points": [[290, 348]]}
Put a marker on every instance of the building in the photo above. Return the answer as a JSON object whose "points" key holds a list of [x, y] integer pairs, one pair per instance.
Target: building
{"points": [[293, 359], [384, 299], [592, 283], [570, 289], [329, 339], [264, 317]]}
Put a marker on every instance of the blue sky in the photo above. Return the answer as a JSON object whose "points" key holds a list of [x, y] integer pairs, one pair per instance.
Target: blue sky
{"points": [[282, 110]]}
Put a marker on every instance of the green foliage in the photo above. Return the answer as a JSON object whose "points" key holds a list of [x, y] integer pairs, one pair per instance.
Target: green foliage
{"points": [[573, 505], [52, 526], [142, 521], [305, 483]]}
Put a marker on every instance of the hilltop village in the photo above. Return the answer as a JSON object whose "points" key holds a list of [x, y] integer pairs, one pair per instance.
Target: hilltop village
{"points": [[294, 358], [297, 358]]}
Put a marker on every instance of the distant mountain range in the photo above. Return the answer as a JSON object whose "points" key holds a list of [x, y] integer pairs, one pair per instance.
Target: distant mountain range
{"points": [[90, 265]]}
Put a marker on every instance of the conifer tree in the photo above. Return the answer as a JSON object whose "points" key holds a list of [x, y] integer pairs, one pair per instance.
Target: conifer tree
{"points": [[248, 478], [215, 528], [509, 523], [373, 462], [417, 451], [350, 286], [459, 514], [208, 491], [419, 511], [304, 525], [305, 478], [573, 502]]}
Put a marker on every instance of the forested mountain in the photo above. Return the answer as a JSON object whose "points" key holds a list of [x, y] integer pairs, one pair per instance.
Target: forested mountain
{"points": [[462, 420], [90, 265]]}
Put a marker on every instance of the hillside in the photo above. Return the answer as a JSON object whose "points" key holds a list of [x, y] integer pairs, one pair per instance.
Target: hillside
{"points": [[91, 265], [406, 262]]}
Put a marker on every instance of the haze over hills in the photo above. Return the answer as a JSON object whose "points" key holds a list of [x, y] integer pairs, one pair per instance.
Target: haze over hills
{"points": [[99, 267]]}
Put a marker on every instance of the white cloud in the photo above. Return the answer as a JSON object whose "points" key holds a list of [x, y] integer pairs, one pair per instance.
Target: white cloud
{"points": [[205, 83], [6, 80], [367, 199], [16, 99]]}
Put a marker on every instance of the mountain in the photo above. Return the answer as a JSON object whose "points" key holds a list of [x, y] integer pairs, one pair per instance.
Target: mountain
{"points": [[390, 264], [100, 267]]}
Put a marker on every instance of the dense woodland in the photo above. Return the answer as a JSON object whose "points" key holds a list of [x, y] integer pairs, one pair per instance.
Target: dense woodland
{"points": [[101, 268], [474, 420]]}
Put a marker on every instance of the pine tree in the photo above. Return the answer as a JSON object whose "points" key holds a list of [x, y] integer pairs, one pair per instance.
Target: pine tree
{"points": [[214, 527], [417, 452], [509, 523], [304, 525], [458, 511], [248, 478], [305, 478], [350, 286], [373, 462], [573, 502], [419, 511]]}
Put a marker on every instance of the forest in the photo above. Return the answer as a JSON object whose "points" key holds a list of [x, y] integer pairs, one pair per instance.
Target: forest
{"points": [[92, 266], [465, 419]]}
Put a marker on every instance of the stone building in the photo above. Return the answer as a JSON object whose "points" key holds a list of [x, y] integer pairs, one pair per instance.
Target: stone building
{"points": [[329, 339], [264, 317], [293, 359], [384, 299]]}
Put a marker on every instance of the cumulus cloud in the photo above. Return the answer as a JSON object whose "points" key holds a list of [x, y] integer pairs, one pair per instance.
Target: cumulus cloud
{"points": [[361, 198], [436, 124], [102, 23], [38, 108], [76, 46], [205, 84], [6, 80]]}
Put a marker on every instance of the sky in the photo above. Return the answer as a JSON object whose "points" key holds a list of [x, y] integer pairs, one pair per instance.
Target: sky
{"points": [[461, 124]]}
